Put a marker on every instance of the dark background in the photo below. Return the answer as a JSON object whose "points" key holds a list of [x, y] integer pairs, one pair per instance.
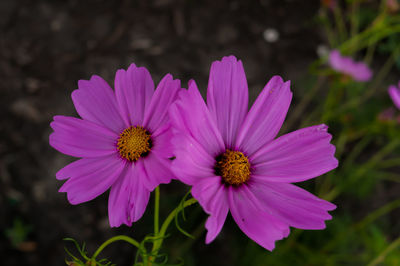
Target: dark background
{"points": [[46, 46]]}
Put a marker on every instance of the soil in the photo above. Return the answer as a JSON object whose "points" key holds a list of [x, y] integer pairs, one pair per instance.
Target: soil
{"points": [[47, 46]]}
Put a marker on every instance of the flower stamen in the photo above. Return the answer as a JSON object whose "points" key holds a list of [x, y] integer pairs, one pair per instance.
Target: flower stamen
{"points": [[233, 167], [134, 142]]}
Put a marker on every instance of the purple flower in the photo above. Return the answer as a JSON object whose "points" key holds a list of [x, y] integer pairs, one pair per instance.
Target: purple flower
{"points": [[231, 157], [359, 71], [123, 139], [394, 93]]}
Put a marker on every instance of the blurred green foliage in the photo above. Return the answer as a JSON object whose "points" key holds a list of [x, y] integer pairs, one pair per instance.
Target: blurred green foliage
{"points": [[18, 233]]}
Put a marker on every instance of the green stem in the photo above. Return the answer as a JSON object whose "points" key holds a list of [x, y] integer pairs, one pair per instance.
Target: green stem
{"points": [[370, 218], [385, 252], [114, 239], [337, 12], [189, 241], [370, 53], [328, 27], [156, 210], [362, 169], [354, 18], [358, 41], [389, 163], [164, 227]]}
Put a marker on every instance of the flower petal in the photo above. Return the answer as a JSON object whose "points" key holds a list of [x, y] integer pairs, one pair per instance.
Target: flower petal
{"points": [[156, 113], [265, 117], [162, 141], [128, 197], [227, 97], [99, 175], [190, 115], [335, 60], [192, 162], [80, 167], [295, 157], [254, 221], [395, 95], [157, 170], [359, 71], [212, 196], [134, 89], [95, 101], [292, 205], [81, 138]]}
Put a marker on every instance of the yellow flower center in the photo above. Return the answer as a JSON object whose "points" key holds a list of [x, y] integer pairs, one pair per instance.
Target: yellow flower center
{"points": [[134, 142], [233, 167]]}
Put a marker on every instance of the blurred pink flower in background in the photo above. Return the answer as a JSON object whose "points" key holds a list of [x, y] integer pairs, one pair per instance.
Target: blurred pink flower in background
{"points": [[359, 71], [394, 93]]}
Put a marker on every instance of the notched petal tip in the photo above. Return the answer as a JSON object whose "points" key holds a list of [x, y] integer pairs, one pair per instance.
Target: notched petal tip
{"points": [[322, 127], [96, 78], [191, 82], [227, 61], [329, 207], [230, 59], [131, 67], [276, 79], [168, 77]]}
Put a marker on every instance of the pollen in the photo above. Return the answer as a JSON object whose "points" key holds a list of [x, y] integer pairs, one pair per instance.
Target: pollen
{"points": [[133, 143], [233, 167]]}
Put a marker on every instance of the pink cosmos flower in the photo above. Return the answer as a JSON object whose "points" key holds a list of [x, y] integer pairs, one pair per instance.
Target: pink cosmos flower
{"points": [[123, 139], [359, 71], [394, 93], [231, 157]]}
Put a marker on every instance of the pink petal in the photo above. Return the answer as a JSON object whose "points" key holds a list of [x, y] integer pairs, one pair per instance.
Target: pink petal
{"points": [[87, 184], [227, 97], [295, 157], [156, 170], [335, 60], [128, 197], [212, 196], [156, 113], [95, 101], [292, 205], [395, 95], [134, 89], [359, 71], [192, 162], [190, 115], [81, 138], [254, 220], [265, 117], [80, 167], [162, 141]]}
